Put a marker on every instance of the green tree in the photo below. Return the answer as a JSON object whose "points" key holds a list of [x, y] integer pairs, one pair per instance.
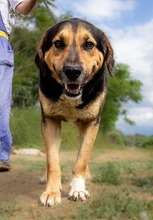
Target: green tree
{"points": [[121, 89], [30, 29], [147, 142]]}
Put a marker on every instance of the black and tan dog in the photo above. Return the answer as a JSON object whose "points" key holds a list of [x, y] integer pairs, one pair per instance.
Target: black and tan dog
{"points": [[72, 58]]}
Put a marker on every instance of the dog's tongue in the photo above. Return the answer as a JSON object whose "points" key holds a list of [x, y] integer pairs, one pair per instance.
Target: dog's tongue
{"points": [[72, 88]]}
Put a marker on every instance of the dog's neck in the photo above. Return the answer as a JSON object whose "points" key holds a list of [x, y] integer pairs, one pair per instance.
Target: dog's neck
{"points": [[74, 102]]}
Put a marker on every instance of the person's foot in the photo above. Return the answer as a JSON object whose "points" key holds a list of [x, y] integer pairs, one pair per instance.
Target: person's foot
{"points": [[4, 166]]}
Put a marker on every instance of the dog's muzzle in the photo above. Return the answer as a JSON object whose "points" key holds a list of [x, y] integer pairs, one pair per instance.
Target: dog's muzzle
{"points": [[72, 86]]}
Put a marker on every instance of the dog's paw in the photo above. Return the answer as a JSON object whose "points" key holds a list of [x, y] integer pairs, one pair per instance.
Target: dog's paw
{"points": [[78, 191], [50, 199]]}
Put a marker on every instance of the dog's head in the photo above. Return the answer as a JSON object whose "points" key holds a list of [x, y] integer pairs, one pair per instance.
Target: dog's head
{"points": [[73, 51]]}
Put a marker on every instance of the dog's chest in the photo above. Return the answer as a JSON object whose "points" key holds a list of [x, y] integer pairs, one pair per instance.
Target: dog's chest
{"points": [[67, 109]]}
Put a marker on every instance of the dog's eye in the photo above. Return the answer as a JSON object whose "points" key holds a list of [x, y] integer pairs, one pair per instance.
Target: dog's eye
{"points": [[88, 45], [59, 44]]}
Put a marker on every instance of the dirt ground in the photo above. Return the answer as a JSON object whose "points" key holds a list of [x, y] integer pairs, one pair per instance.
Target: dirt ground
{"points": [[20, 188]]}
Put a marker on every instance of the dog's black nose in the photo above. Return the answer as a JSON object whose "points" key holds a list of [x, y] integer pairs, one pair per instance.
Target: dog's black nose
{"points": [[72, 72]]}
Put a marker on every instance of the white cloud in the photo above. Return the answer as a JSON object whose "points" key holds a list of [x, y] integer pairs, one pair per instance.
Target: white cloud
{"points": [[142, 116], [134, 46], [97, 9]]}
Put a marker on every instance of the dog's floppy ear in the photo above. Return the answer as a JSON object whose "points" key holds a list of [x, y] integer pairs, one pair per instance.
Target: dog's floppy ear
{"points": [[41, 64], [39, 57], [108, 54]]}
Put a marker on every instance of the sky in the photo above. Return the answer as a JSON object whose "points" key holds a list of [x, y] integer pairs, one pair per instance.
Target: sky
{"points": [[129, 26]]}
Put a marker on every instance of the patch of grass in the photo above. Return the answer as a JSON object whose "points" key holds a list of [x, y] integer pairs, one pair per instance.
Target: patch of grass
{"points": [[31, 166], [108, 173], [115, 206], [25, 127], [8, 208], [145, 183]]}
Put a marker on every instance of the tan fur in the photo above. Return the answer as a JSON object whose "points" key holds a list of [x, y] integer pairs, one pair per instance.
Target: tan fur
{"points": [[91, 62]]}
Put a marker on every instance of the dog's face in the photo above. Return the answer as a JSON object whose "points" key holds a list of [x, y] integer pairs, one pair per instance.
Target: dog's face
{"points": [[74, 51]]}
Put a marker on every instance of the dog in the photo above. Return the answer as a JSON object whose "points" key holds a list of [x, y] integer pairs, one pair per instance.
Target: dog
{"points": [[73, 58]]}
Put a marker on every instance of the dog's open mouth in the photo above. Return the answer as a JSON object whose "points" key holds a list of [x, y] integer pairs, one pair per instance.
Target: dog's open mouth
{"points": [[72, 89]]}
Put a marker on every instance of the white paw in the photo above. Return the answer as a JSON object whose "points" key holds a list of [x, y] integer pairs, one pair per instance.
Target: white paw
{"points": [[50, 199], [78, 191]]}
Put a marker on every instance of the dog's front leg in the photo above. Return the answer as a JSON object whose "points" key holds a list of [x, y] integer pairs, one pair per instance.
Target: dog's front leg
{"points": [[88, 132], [51, 130]]}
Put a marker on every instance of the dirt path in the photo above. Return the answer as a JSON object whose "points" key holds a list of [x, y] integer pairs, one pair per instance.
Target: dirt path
{"points": [[20, 182], [20, 188]]}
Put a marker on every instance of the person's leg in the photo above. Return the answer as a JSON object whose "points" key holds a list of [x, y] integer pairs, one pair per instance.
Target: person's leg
{"points": [[6, 74]]}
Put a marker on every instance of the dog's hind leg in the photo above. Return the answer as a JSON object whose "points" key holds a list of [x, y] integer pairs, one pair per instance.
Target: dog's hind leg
{"points": [[43, 178], [88, 132], [51, 132]]}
